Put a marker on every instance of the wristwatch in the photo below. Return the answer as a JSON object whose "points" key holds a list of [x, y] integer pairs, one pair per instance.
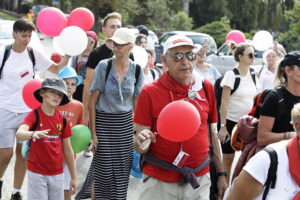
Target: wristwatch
{"points": [[222, 173]]}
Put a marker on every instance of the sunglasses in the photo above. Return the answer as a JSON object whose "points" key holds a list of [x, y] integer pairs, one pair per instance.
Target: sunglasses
{"points": [[251, 55], [191, 56], [119, 46]]}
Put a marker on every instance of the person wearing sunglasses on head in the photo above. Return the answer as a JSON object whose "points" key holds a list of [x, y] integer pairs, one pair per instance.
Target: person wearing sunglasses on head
{"points": [[163, 178], [113, 95], [236, 101]]}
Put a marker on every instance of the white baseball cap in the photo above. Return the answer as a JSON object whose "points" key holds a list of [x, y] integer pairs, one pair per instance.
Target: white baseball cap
{"points": [[177, 40], [123, 36]]}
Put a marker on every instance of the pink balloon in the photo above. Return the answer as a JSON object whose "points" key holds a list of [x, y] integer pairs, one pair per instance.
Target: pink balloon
{"points": [[236, 36], [51, 21], [81, 17], [178, 121], [27, 93]]}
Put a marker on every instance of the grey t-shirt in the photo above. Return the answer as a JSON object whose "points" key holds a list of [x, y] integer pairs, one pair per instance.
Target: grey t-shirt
{"points": [[115, 96]]}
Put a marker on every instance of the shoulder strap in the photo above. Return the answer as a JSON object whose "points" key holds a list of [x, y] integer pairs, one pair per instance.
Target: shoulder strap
{"points": [[108, 68], [252, 72], [5, 56], [32, 58], [137, 73], [271, 180], [64, 121], [37, 119], [211, 148], [153, 74], [237, 80]]}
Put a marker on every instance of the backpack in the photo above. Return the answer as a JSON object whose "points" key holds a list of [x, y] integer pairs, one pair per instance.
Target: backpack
{"points": [[6, 55], [271, 177], [27, 143], [109, 65], [218, 89], [244, 137]]}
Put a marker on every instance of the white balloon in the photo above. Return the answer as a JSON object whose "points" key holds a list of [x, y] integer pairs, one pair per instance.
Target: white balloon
{"points": [[262, 40], [56, 47], [140, 56], [73, 40]]}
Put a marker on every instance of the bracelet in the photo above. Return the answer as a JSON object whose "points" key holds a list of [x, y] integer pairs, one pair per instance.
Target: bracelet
{"points": [[222, 173], [223, 125]]}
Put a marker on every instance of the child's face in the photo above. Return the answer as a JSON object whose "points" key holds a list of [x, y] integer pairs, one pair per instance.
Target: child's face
{"points": [[51, 97], [71, 86]]}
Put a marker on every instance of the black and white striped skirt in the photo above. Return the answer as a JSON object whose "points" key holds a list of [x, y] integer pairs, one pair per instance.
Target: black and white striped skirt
{"points": [[111, 163]]}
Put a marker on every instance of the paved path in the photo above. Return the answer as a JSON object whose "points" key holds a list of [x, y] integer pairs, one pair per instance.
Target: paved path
{"points": [[82, 166]]}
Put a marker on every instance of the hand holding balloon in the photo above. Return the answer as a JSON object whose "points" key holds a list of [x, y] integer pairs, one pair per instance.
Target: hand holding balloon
{"points": [[144, 138]]}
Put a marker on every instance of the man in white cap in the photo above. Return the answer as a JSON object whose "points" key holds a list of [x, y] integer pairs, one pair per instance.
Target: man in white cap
{"points": [[164, 178]]}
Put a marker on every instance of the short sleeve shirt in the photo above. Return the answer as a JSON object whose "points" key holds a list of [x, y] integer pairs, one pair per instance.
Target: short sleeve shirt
{"points": [[17, 71], [46, 155], [100, 53], [115, 96], [258, 166], [241, 101], [282, 112]]}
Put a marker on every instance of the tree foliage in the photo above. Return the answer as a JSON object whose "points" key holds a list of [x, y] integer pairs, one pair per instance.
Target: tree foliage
{"points": [[181, 22], [218, 30]]}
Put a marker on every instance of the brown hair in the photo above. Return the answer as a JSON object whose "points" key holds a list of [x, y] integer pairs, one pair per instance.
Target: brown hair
{"points": [[238, 49], [139, 38], [113, 15], [23, 25]]}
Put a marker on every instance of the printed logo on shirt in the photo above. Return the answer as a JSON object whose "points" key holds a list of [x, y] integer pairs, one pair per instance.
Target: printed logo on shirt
{"points": [[58, 127]]}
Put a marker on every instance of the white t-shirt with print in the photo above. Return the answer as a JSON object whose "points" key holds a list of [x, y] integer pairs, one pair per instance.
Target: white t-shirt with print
{"points": [[286, 187], [241, 101], [11, 82]]}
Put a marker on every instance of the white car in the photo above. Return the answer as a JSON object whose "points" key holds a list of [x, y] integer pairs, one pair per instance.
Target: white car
{"points": [[6, 37], [223, 60]]}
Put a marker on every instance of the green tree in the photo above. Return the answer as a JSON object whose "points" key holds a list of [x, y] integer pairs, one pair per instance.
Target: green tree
{"points": [[291, 39], [204, 11], [218, 30], [181, 22]]}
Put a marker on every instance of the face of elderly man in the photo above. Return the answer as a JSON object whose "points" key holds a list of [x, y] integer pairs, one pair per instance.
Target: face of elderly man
{"points": [[180, 70]]}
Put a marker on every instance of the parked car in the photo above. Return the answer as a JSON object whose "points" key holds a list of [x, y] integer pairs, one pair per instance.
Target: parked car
{"points": [[198, 38], [223, 60], [6, 37]]}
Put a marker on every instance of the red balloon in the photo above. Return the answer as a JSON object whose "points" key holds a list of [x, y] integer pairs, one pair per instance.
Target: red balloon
{"points": [[51, 21], [27, 93], [178, 121], [81, 17], [236, 36]]}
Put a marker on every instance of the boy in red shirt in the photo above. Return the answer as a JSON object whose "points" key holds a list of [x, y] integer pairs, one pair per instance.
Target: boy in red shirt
{"points": [[49, 143]]}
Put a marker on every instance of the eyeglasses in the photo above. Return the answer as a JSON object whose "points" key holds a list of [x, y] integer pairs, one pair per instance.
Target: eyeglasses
{"points": [[119, 46], [191, 56], [251, 55]]}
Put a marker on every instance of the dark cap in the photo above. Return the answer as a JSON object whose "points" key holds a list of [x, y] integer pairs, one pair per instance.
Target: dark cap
{"points": [[56, 84], [143, 29], [292, 58]]}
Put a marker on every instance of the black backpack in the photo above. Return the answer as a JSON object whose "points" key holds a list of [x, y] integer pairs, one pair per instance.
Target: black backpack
{"points": [[109, 65], [218, 89], [6, 55]]}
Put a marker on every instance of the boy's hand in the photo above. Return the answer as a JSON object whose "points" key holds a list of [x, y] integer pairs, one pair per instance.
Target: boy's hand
{"points": [[73, 186], [41, 134]]}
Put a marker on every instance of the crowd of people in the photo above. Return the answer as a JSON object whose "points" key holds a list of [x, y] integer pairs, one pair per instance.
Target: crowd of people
{"points": [[120, 101]]}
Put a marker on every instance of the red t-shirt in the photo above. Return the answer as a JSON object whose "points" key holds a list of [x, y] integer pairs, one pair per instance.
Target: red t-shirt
{"points": [[46, 155], [73, 112], [153, 98]]}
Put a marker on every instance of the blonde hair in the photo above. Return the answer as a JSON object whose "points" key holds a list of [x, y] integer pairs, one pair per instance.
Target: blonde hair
{"points": [[113, 15], [295, 113]]}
